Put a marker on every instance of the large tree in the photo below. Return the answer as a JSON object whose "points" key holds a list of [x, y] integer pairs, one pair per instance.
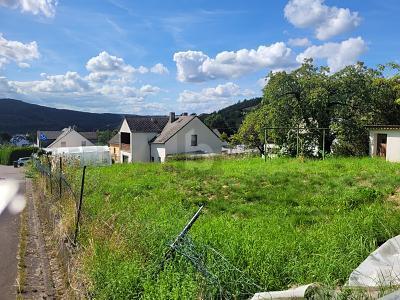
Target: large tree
{"points": [[312, 97]]}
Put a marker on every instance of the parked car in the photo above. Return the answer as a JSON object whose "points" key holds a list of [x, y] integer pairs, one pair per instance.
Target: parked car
{"points": [[21, 162]]}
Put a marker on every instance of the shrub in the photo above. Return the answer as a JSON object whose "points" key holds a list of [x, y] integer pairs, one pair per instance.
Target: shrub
{"points": [[8, 154]]}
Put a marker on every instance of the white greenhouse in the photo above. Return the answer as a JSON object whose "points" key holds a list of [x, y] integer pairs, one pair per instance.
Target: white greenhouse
{"points": [[87, 155]]}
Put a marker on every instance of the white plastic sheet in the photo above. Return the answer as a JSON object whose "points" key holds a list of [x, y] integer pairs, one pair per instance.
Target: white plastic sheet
{"points": [[381, 268], [296, 293]]}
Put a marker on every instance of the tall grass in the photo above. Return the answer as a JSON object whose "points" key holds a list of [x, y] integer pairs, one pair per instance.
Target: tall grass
{"points": [[282, 223]]}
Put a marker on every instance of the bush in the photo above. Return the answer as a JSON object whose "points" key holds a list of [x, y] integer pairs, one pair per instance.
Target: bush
{"points": [[8, 154]]}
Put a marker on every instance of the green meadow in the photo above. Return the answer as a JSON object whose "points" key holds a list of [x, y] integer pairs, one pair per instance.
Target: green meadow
{"points": [[269, 225]]}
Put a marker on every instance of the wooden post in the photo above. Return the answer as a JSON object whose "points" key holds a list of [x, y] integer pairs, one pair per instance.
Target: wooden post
{"points": [[79, 205], [51, 184], [60, 180], [323, 144]]}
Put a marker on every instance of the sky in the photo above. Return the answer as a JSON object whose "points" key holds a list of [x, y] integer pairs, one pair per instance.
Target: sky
{"points": [[152, 57]]}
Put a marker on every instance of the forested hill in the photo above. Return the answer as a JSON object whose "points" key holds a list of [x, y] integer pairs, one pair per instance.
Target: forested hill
{"points": [[20, 117], [228, 119]]}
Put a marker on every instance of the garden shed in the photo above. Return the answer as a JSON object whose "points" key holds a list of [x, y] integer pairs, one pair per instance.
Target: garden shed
{"points": [[384, 141]]}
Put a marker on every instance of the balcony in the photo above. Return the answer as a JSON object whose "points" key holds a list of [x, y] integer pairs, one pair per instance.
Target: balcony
{"points": [[126, 147]]}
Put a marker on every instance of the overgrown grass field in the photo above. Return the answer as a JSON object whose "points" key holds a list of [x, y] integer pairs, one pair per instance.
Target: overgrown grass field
{"points": [[282, 223]]}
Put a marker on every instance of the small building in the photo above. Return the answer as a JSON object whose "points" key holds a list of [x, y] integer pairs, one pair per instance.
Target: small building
{"points": [[114, 144], [68, 137], [20, 140], [153, 138], [384, 141]]}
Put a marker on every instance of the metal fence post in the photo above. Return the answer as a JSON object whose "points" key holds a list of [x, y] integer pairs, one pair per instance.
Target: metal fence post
{"points": [[79, 205], [59, 180], [323, 144]]}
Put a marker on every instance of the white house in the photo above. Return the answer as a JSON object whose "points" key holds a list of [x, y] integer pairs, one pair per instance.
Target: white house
{"points": [[384, 141], [69, 137], [19, 140], [153, 138]]}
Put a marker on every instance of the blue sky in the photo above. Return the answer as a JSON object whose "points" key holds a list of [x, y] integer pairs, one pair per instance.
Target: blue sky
{"points": [[151, 57]]}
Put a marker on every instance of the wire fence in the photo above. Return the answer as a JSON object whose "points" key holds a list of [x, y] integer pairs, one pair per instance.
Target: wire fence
{"points": [[220, 277], [59, 186]]}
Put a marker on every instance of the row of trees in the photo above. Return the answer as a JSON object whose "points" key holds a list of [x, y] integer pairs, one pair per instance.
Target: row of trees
{"points": [[310, 97]]}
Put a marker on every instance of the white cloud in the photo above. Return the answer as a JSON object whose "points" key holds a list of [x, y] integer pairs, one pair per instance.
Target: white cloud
{"points": [[17, 52], [106, 63], [24, 65], [299, 42], [104, 67], [221, 92], [159, 69], [195, 66], [45, 7], [70, 82], [328, 21], [338, 55]]}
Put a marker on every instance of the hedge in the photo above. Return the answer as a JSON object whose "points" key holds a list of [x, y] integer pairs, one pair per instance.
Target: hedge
{"points": [[8, 154]]}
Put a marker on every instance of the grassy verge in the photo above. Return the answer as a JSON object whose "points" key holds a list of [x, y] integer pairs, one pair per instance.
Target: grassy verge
{"points": [[282, 223]]}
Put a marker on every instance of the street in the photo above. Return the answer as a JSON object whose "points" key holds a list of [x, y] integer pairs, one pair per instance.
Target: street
{"points": [[9, 236]]}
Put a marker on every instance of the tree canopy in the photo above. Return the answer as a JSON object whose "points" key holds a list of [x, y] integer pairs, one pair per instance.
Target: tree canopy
{"points": [[312, 97]]}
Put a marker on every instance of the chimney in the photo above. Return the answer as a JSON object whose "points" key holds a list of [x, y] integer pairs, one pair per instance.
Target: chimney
{"points": [[185, 114], [171, 117]]}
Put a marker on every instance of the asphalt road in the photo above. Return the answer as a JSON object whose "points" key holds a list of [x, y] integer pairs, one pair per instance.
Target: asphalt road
{"points": [[9, 235]]}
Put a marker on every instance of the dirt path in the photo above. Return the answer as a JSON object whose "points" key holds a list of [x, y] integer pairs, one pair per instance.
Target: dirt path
{"points": [[9, 237], [35, 273]]}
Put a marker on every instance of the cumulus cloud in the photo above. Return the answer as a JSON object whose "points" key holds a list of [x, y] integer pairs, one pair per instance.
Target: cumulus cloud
{"points": [[195, 66], [17, 52], [70, 82], [327, 21], [221, 92], [299, 42], [338, 55], [45, 7], [104, 67], [159, 69]]}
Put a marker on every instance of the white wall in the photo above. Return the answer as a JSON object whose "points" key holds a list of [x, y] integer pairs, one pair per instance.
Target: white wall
{"points": [[392, 146], [140, 146], [207, 141], [72, 139], [125, 128], [158, 152]]}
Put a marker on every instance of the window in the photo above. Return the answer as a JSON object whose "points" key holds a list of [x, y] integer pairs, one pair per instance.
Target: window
{"points": [[194, 140], [83, 143], [115, 150], [63, 144], [152, 159]]}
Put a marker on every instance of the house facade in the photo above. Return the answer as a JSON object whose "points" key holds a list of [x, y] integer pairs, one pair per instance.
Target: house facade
{"points": [[68, 137], [384, 141], [114, 145], [152, 139]]}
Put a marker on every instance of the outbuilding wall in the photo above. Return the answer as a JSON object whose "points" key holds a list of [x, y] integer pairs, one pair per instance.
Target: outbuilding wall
{"points": [[392, 146]]}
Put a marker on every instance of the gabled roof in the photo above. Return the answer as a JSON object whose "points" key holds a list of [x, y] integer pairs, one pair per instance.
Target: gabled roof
{"points": [[50, 134], [147, 123], [172, 128], [90, 135], [115, 139], [63, 134]]}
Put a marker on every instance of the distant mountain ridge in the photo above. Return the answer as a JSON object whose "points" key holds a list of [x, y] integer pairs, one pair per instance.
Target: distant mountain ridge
{"points": [[230, 118], [17, 116]]}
